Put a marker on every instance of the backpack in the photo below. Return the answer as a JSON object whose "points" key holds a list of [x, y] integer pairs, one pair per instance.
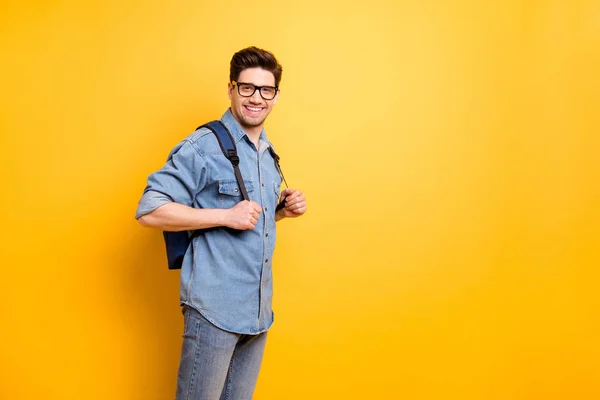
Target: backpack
{"points": [[177, 243]]}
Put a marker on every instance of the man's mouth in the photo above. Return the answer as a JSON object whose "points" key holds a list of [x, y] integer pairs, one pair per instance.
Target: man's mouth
{"points": [[254, 110]]}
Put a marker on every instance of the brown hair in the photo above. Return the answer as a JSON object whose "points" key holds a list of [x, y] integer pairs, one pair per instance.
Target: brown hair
{"points": [[253, 57]]}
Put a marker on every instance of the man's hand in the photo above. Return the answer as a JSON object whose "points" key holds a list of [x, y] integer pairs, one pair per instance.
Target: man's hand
{"points": [[244, 215], [295, 204]]}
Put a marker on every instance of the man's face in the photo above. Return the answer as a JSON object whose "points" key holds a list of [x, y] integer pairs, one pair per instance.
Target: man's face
{"points": [[252, 111]]}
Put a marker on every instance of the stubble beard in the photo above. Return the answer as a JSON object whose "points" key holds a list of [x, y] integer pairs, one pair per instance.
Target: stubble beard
{"points": [[251, 122]]}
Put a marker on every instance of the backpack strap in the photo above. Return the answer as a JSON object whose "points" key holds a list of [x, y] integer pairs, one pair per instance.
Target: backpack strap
{"points": [[229, 150], [278, 167]]}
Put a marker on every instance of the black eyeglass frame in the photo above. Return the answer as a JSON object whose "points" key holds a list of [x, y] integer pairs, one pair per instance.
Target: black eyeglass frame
{"points": [[259, 88]]}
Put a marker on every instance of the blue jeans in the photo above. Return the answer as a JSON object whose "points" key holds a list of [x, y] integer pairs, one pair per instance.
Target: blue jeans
{"points": [[216, 364]]}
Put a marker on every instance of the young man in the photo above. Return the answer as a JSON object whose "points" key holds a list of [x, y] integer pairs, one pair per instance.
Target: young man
{"points": [[226, 276]]}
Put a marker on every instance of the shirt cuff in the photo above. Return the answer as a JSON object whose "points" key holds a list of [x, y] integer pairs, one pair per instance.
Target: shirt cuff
{"points": [[150, 201]]}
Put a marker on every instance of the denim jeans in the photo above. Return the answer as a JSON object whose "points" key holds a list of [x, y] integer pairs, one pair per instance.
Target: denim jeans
{"points": [[216, 364]]}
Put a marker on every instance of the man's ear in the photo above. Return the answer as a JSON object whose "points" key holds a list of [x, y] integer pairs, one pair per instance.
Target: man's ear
{"points": [[230, 90], [276, 97]]}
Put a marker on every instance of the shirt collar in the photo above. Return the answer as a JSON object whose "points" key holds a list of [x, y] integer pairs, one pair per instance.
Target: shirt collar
{"points": [[236, 129]]}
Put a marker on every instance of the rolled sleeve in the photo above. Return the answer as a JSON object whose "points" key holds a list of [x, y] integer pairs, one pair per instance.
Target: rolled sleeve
{"points": [[150, 201], [179, 180]]}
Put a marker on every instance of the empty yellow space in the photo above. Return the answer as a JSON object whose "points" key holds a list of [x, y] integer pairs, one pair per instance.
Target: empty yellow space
{"points": [[448, 150]]}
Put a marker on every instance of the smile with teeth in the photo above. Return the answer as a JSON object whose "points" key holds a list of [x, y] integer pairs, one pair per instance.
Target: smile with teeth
{"points": [[254, 109]]}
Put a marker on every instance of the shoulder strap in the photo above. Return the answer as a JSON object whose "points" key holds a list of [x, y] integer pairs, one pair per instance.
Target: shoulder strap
{"points": [[277, 166], [229, 150]]}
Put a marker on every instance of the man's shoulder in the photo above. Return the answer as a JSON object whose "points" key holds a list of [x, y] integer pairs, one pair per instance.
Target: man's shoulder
{"points": [[203, 141]]}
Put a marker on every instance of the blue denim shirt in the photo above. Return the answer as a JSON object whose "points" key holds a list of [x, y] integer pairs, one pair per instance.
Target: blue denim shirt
{"points": [[226, 274]]}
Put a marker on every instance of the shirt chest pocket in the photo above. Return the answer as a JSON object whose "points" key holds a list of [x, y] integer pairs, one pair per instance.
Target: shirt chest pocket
{"points": [[230, 193]]}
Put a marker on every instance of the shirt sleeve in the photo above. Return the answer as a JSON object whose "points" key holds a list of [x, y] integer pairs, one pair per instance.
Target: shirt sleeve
{"points": [[150, 201], [179, 180]]}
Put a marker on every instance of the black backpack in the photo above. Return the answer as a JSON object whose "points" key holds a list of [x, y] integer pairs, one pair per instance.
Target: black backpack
{"points": [[177, 243]]}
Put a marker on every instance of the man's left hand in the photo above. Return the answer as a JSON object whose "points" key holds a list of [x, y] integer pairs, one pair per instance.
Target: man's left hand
{"points": [[295, 204]]}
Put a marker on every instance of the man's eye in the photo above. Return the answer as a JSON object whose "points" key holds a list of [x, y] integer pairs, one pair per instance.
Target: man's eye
{"points": [[247, 88]]}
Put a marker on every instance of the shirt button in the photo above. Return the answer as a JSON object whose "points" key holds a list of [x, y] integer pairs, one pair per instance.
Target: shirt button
{"points": [[266, 209], [267, 260], [267, 235], [262, 184]]}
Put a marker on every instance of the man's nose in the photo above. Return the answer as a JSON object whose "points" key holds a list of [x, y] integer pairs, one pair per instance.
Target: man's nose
{"points": [[256, 98]]}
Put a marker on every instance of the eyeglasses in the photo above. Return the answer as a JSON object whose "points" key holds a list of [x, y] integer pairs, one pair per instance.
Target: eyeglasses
{"points": [[248, 90]]}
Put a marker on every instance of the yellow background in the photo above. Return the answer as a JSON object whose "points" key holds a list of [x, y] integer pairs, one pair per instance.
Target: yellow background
{"points": [[449, 151]]}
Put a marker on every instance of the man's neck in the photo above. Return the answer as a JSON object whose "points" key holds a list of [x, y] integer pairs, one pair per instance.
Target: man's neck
{"points": [[253, 135], [253, 132]]}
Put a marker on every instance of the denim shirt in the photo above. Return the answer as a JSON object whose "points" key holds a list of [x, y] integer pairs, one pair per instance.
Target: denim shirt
{"points": [[226, 274]]}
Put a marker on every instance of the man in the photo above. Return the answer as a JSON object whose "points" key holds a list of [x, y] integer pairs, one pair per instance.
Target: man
{"points": [[226, 277]]}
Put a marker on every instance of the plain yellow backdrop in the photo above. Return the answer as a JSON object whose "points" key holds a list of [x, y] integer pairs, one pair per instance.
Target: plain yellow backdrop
{"points": [[448, 149]]}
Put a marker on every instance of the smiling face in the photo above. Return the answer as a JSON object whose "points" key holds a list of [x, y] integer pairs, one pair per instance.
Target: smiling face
{"points": [[251, 112]]}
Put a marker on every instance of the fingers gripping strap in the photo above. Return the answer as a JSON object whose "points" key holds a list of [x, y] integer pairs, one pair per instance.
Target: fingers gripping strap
{"points": [[229, 150]]}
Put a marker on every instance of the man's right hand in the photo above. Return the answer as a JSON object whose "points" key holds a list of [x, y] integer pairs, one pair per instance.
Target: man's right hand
{"points": [[244, 215]]}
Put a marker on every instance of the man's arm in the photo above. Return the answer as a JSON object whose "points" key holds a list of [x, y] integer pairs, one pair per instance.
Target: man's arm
{"points": [[167, 199], [178, 217], [295, 204]]}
